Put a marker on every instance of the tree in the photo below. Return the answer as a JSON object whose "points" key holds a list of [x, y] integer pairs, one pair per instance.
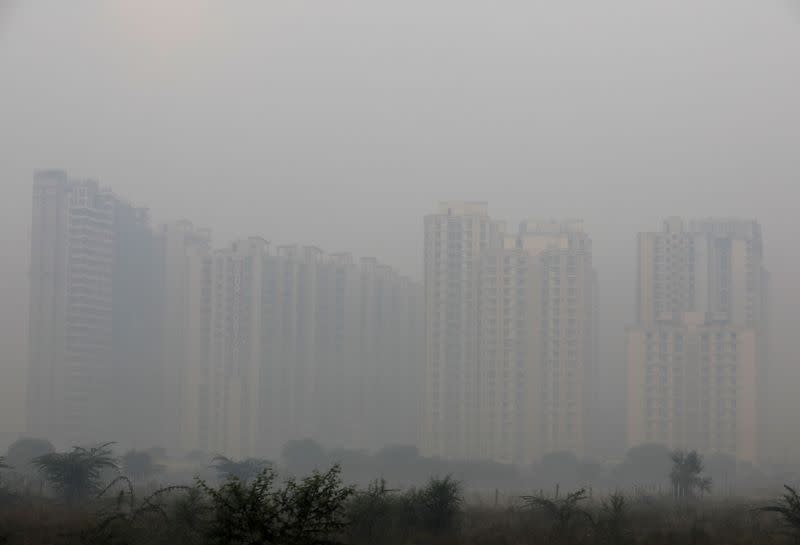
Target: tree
{"points": [[644, 464], [686, 474], [244, 470], [612, 526], [21, 455], [566, 470], [77, 474], [303, 456], [139, 465], [788, 508], [369, 513], [309, 512], [396, 455], [349, 458], [22, 452], [155, 519], [441, 502]]}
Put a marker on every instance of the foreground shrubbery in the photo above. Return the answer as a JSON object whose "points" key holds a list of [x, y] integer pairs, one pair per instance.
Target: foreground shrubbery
{"points": [[87, 496], [320, 509]]}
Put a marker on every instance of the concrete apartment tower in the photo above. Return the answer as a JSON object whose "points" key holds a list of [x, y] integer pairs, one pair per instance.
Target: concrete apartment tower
{"points": [[93, 314], [536, 342], [72, 251], [155, 338], [341, 340], [261, 348], [697, 354], [236, 347], [510, 336], [185, 258], [454, 239], [561, 331]]}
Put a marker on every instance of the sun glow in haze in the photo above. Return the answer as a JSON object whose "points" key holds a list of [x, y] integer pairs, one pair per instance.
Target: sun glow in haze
{"points": [[163, 26]]}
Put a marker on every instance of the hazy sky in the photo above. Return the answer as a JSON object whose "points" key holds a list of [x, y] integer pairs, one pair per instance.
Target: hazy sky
{"points": [[340, 123]]}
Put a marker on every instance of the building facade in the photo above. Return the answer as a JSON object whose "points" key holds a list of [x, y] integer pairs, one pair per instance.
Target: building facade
{"points": [[563, 323], [236, 348], [155, 338], [454, 239], [137, 290], [186, 269], [92, 328], [342, 337], [510, 336], [697, 354]]}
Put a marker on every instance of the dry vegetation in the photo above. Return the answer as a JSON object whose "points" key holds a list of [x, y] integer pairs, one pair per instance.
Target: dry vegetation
{"points": [[320, 510], [84, 497]]}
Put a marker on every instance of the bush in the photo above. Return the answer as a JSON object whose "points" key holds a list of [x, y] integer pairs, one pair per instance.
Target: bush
{"points": [[372, 514], [309, 512], [565, 517]]}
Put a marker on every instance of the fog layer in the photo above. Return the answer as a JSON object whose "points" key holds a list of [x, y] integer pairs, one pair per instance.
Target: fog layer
{"points": [[341, 124]]}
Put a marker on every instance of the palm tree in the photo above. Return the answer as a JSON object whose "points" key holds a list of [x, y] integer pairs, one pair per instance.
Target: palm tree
{"points": [[788, 508], [685, 475], [77, 474], [243, 470]]}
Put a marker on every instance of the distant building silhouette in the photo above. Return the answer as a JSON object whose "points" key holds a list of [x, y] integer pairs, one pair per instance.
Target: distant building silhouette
{"points": [[296, 344], [92, 304], [510, 336], [152, 337], [697, 354]]}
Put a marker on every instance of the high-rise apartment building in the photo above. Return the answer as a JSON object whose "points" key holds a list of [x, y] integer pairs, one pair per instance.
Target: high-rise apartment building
{"points": [[155, 338], [342, 340], [506, 302], [263, 347], [86, 247], [697, 354], [388, 377], [563, 318], [186, 262], [137, 289], [236, 347], [454, 239], [510, 336]]}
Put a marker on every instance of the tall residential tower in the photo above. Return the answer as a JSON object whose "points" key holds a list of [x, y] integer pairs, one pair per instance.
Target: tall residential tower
{"points": [[93, 312], [153, 337], [454, 239], [697, 354], [510, 336]]}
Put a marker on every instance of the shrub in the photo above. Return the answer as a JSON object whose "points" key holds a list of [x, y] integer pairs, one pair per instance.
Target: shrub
{"points": [[564, 515], [309, 512]]}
